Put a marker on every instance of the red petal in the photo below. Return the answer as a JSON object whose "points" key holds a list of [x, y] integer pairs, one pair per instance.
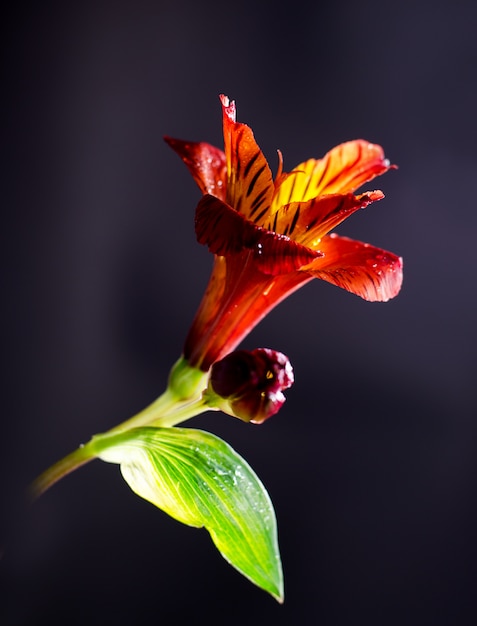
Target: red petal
{"points": [[368, 272], [206, 163], [308, 222], [250, 185], [227, 232], [343, 169]]}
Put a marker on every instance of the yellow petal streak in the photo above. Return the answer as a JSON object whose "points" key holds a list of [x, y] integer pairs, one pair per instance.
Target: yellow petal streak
{"points": [[307, 222], [342, 170]]}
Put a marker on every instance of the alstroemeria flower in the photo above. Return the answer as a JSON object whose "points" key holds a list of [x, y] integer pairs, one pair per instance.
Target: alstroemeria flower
{"points": [[271, 236], [250, 384]]}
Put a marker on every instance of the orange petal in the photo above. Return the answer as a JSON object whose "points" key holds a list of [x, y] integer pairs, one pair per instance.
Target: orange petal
{"points": [[368, 272], [227, 232], [206, 163], [250, 186], [342, 170], [308, 222]]}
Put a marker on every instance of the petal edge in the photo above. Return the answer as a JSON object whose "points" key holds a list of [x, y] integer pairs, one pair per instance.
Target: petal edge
{"points": [[227, 232], [342, 170], [205, 162], [371, 273]]}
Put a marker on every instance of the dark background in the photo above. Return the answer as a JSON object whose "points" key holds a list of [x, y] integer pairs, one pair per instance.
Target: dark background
{"points": [[372, 463]]}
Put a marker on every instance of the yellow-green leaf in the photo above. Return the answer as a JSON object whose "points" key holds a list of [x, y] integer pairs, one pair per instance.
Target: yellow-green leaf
{"points": [[201, 481]]}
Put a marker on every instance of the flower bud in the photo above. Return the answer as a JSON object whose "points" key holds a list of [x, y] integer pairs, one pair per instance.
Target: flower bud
{"points": [[249, 385]]}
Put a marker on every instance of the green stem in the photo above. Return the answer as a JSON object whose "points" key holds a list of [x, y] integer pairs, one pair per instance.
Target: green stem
{"points": [[182, 413], [162, 406], [62, 468], [181, 401], [183, 393], [164, 412]]}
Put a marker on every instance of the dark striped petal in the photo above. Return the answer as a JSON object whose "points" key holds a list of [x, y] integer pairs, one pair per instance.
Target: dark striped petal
{"points": [[308, 222], [368, 272], [227, 232], [205, 162], [250, 185], [342, 170]]}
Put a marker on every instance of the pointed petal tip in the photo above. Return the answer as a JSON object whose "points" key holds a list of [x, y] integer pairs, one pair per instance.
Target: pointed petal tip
{"points": [[374, 196], [225, 100], [228, 107], [205, 162], [171, 141], [180, 146], [389, 165]]}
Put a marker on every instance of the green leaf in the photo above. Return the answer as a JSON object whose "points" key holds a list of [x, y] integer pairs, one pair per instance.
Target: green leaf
{"points": [[201, 481]]}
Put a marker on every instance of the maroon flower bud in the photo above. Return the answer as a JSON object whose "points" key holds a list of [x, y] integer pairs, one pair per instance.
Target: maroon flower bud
{"points": [[249, 385]]}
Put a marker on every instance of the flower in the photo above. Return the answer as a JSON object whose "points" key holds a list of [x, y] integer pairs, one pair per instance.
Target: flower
{"points": [[249, 384], [271, 236]]}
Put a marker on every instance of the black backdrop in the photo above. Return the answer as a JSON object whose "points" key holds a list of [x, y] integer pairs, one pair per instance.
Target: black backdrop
{"points": [[371, 464]]}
